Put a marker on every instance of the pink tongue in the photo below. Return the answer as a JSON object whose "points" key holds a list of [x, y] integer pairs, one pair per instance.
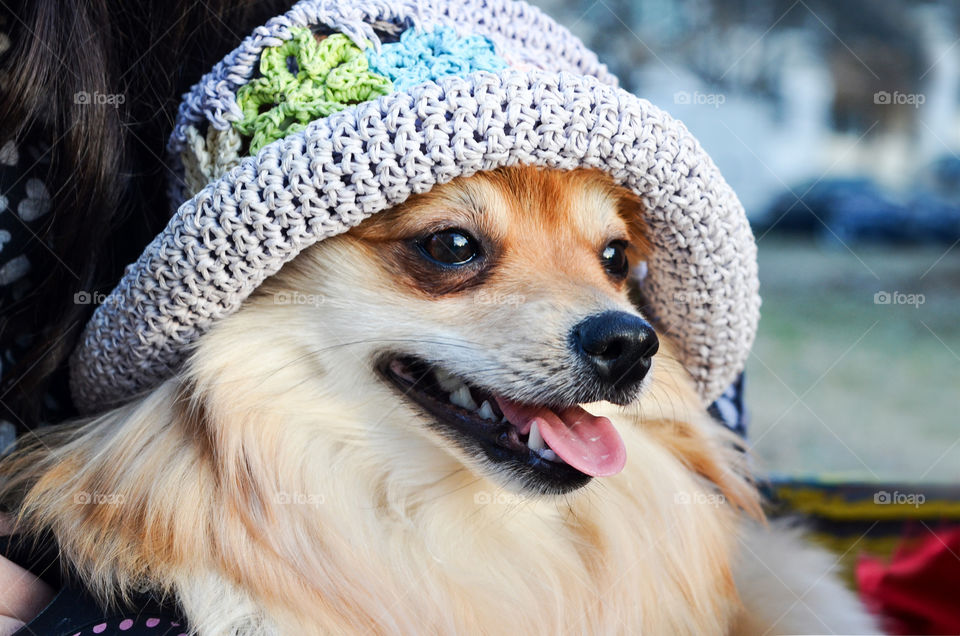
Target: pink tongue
{"points": [[588, 443]]}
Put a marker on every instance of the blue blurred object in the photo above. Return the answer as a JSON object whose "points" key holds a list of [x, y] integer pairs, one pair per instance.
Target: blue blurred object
{"points": [[814, 204], [933, 218], [945, 176], [858, 210]]}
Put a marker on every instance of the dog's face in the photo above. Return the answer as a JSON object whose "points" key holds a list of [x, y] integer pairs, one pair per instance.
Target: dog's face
{"points": [[492, 307]]}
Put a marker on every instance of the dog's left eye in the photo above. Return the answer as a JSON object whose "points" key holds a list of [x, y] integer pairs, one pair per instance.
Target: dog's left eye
{"points": [[614, 258], [450, 247]]}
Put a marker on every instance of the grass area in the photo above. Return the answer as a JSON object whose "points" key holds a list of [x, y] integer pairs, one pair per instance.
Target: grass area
{"points": [[841, 386]]}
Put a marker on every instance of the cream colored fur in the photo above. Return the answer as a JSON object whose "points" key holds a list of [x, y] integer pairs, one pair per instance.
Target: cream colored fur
{"points": [[278, 486]]}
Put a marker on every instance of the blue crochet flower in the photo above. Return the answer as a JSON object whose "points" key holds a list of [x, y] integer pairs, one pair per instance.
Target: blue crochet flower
{"points": [[420, 57]]}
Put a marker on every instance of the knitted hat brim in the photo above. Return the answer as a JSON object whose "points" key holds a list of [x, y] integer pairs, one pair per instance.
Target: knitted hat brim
{"points": [[221, 244]]}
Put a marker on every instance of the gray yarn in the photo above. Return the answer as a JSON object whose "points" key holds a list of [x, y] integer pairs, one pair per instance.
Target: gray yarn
{"points": [[222, 243], [510, 24], [525, 27]]}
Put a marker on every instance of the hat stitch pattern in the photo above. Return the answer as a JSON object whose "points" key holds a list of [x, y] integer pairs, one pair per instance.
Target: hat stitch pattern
{"points": [[239, 219], [532, 35], [318, 183], [206, 158], [213, 99], [309, 77], [304, 79], [422, 56]]}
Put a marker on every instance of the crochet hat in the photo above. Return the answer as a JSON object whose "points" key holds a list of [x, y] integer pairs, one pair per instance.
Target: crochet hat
{"points": [[339, 109]]}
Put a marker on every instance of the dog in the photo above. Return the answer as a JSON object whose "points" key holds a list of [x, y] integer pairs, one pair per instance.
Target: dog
{"points": [[451, 419]]}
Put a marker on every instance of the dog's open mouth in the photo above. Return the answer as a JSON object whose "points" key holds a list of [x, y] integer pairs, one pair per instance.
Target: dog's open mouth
{"points": [[550, 449]]}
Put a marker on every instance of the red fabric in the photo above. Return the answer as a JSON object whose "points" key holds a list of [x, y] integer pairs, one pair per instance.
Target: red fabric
{"points": [[918, 590]]}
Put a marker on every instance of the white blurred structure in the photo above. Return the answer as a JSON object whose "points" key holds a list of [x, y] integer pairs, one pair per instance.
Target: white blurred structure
{"points": [[763, 86]]}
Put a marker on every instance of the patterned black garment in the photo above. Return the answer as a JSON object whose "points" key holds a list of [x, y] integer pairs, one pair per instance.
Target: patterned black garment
{"points": [[73, 612], [25, 202]]}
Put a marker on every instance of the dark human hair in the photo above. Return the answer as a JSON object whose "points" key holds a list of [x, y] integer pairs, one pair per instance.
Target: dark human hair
{"points": [[107, 175]]}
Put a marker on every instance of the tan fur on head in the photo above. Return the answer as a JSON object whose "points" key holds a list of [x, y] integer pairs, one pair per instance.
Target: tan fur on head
{"points": [[279, 486]]}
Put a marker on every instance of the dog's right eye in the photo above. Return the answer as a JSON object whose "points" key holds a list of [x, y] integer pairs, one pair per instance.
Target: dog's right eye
{"points": [[450, 247]]}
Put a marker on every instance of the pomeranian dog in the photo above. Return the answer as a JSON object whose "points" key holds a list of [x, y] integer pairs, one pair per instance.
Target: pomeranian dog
{"points": [[451, 419]]}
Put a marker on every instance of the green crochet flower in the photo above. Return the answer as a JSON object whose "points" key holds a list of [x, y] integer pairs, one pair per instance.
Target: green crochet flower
{"points": [[302, 80]]}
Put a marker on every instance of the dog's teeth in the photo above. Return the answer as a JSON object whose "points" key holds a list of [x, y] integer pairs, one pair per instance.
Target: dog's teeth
{"points": [[549, 455], [535, 442], [462, 398], [446, 381], [486, 412]]}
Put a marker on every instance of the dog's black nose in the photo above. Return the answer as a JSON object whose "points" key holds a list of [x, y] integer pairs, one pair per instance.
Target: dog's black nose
{"points": [[618, 346]]}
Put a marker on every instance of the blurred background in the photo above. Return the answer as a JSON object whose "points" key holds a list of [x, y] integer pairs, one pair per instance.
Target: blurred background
{"points": [[838, 124]]}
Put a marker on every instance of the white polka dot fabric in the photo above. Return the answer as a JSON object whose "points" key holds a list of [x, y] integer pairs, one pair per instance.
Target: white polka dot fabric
{"points": [[555, 107]]}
